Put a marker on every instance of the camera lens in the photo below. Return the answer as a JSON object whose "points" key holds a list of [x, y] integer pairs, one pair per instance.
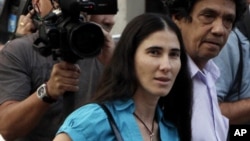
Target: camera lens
{"points": [[86, 40]]}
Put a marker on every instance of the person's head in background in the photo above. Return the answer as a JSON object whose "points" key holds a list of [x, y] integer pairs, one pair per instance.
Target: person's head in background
{"points": [[205, 25], [248, 1], [143, 53], [106, 21], [44, 7]]}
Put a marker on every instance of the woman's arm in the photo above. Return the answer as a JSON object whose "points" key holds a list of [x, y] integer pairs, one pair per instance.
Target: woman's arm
{"points": [[62, 137]]}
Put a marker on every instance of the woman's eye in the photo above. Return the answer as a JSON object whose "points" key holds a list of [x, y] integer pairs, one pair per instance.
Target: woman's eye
{"points": [[175, 54], [154, 52]]}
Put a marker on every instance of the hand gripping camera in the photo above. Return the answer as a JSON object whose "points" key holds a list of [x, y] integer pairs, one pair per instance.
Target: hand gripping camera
{"points": [[63, 34]]}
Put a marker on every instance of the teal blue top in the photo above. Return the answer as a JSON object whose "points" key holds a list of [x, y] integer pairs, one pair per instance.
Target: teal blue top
{"points": [[90, 123]]}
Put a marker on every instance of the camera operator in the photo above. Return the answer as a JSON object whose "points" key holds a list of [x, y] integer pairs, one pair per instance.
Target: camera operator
{"points": [[25, 73], [26, 25]]}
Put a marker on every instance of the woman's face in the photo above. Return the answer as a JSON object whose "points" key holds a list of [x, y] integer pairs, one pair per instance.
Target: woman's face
{"points": [[157, 63]]}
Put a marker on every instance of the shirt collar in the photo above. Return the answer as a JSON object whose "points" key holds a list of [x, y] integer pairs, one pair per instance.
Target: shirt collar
{"points": [[210, 67], [130, 106]]}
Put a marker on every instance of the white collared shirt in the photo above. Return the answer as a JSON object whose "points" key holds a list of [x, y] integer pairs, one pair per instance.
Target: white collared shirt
{"points": [[208, 124], [1, 138]]}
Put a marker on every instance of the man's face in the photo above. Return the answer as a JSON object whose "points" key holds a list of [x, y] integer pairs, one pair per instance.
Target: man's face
{"points": [[42, 7], [206, 34], [106, 21]]}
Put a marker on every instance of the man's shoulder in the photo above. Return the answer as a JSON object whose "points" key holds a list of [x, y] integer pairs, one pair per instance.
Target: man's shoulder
{"points": [[22, 43], [21, 46]]}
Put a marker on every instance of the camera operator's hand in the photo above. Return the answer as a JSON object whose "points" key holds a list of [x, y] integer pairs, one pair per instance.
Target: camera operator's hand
{"points": [[64, 78], [25, 24], [108, 48]]}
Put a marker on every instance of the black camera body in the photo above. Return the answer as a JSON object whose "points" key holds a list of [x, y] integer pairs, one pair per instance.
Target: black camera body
{"points": [[63, 34]]}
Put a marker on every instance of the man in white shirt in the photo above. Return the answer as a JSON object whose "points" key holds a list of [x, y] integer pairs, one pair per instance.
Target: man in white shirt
{"points": [[205, 26]]}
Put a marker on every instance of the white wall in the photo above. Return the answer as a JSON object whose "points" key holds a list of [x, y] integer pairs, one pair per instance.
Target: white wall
{"points": [[128, 9]]}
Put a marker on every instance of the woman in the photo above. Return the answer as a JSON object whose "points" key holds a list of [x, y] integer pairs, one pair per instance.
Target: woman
{"points": [[146, 87]]}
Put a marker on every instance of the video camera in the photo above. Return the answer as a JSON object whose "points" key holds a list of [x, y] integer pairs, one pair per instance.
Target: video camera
{"points": [[64, 35]]}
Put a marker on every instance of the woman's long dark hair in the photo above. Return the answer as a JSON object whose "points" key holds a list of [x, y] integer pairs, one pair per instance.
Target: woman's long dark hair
{"points": [[120, 82]]}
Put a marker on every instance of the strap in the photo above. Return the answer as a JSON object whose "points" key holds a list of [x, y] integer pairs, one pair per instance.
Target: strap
{"points": [[238, 78], [243, 25], [68, 103], [247, 21], [112, 122]]}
